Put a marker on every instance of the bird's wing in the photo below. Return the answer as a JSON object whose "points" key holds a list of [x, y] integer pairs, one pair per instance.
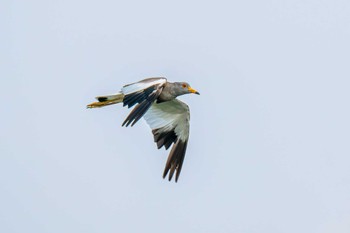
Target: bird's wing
{"points": [[142, 85], [170, 123], [142, 93]]}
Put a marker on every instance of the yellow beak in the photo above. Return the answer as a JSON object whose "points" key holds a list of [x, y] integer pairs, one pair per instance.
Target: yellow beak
{"points": [[190, 89]]}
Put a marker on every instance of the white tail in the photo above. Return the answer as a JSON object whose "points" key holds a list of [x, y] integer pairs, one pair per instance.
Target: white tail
{"points": [[107, 100]]}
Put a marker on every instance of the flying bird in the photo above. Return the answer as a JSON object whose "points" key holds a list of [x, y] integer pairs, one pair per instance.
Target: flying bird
{"points": [[169, 118]]}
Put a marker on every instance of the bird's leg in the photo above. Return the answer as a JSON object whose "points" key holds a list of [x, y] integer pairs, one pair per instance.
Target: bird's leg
{"points": [[102, 104], [107, 100]]}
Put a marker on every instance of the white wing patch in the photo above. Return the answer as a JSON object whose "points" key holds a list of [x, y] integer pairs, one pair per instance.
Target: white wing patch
{"points": [[143, 84], [170, 115]]}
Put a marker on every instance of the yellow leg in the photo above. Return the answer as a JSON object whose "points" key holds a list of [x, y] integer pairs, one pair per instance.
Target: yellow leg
{"points": [[102, 104]]}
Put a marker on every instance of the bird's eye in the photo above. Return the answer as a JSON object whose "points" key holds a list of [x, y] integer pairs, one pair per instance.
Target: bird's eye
{"points": [[184, 85]]}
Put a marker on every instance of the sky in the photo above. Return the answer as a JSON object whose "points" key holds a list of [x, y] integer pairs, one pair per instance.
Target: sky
{"points": [[269, 139]]}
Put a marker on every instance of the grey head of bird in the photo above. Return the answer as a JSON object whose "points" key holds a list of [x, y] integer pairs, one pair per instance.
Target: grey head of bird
{"points": [[181, 88]]}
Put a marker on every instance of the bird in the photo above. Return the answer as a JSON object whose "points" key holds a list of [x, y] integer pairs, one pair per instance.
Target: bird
{"points": [[155, 99]]}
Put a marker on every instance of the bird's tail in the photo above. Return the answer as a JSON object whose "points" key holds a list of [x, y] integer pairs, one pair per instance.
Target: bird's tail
{"points": [[107, 100]]}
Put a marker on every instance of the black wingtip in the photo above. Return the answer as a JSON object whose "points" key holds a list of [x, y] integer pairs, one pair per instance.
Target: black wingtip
{"points": [[165, 173], [175, 160], [126, 123], [171, 174]]}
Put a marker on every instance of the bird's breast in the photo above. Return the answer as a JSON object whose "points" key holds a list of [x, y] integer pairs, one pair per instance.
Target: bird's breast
{"points": [[164, 97]]}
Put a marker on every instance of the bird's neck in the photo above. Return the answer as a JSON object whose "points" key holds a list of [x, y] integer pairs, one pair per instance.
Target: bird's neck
{"points": [[167, 94]]}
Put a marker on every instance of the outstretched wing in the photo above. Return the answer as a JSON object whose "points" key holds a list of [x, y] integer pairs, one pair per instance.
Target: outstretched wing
{"points": [[170, 123], [142, 93]]}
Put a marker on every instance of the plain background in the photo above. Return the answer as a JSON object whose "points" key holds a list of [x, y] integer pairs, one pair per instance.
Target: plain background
{"points": [[269, 146]]}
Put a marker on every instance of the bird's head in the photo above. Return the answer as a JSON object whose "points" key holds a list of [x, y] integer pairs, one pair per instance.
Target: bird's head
{"points": [[182, 88]]}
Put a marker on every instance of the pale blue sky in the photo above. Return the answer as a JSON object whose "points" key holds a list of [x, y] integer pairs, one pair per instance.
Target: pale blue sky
{"points": [[269, 146]]}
